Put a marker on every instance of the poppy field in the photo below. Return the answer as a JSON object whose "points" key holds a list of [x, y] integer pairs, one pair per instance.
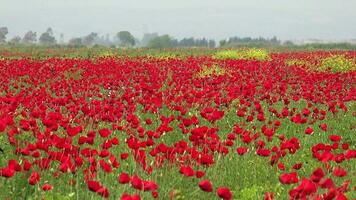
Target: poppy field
{"points": [[230, 124]]}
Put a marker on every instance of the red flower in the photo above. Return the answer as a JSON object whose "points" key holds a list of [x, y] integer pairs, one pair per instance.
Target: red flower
{"points": [[309, 131], [34, 178], [199, 174], [288, 178], [94, 186], [124, 156], [241, 113], [297, 166], [212, 114], [206, 186], [136, 183], [263, 152], [104, 192], [242, 150], [323, 127], [306, 188], [73, 131], [317, 175], [339, 172], [124, 178], [47, 187], [105, 166], [104, 132], [129, 197], [7, 172], [327, 183], [186, 171], [224, 193], [149, 186], [27, 165], [335, 138]]}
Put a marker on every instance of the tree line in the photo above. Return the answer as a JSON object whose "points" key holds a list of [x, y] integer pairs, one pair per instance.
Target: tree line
{"points": [[121, 39], [154, 40]]}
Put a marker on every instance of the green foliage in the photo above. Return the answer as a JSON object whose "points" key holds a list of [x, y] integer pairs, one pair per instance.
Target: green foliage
{"points": [[252, 193], [243, 54], [126, 39], [3, 32], [337, 63], [163, 41], [57, 196], [47, 38]]}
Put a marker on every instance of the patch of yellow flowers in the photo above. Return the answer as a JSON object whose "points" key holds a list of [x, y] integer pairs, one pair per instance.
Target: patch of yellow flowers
{"points": [[105, 54], [243, 54], [210, 71], [338, 63], [335, 63]]}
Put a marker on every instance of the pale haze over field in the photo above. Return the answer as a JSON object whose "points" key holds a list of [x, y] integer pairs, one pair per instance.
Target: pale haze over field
{"points": [[215, 19]]}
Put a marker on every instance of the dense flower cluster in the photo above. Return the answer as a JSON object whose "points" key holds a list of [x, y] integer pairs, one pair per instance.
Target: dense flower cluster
{"points": [[90, 117]]}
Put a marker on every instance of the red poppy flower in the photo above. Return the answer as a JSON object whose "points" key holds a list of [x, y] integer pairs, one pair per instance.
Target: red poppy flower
{"points": [[186, 171], [206, 186], [317, 175], [339, 172], [224, 193], [335, 138], [309, 131], [94, 186], [47, 187], [104, 132], [288, 178], [124, 178], [323, 127], [199, 174], [7, 172], [34, 178], [242, 150], [136, 183]]}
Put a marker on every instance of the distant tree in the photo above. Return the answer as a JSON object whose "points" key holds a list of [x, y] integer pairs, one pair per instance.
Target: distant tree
{"points": [[187, 42], [288, 43], [15, 40], [3, 32], [211, 44], [61, 38], [164, 41], [126, 39], [29, 38], [222, 43], [203, 43], [90, 39], [75, 42], [47, 38], [274, 40], [147, 37]]}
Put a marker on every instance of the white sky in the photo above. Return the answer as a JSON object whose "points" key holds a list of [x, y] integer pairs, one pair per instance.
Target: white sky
{"points": [[216, 19]]}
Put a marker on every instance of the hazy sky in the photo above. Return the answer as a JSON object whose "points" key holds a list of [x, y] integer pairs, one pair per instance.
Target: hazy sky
{"points": [[217, 19]]}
